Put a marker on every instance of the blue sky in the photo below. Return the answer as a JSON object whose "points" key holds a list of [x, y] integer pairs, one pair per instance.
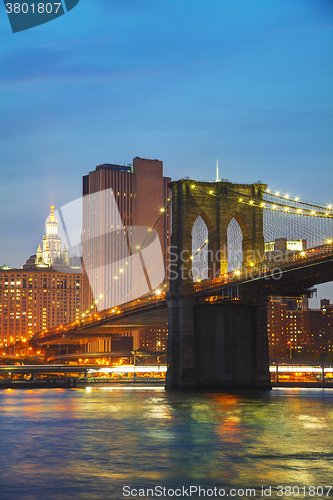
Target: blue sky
{"points": [[247, 82]]}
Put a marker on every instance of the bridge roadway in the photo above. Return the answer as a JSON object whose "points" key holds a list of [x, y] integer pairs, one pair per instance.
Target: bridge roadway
{"points": [[293, 276], [77, 356]]}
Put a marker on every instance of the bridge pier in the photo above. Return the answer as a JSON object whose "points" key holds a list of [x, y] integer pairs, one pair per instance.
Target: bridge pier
{"points": [[217, 346], [181, 352]]}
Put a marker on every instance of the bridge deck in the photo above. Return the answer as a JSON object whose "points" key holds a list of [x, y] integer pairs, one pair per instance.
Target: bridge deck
{"points": [[289, 277]]}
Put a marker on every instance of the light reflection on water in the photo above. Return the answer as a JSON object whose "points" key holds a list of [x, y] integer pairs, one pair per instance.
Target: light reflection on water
{"points": [[87, 444]]}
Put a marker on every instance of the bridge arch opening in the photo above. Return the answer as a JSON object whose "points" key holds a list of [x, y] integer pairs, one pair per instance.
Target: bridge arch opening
{"points": [[235, 245], [199, 250]]}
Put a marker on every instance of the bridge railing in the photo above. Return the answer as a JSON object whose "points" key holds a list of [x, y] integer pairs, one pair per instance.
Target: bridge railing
{"points": [[248, 273], [102, 316], [257, 270]]}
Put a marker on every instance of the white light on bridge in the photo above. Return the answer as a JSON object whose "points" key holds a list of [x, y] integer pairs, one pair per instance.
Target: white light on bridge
{"points": [[129, 369], [300, 369]]}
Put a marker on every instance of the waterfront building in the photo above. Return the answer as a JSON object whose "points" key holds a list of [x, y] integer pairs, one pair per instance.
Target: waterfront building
{"points": [[319, 324], [32, 300], [281, 247], [295, 330], [124, 343], [153, 339], [37, 297]]}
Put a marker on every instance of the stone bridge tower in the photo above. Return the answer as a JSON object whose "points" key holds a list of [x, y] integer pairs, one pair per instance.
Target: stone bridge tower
{"points": [[231, 337], [217, 203]]}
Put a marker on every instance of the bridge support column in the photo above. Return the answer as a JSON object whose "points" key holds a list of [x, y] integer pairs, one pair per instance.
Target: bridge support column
{"points": [[181, 373], [217, 346], [232, 346]]}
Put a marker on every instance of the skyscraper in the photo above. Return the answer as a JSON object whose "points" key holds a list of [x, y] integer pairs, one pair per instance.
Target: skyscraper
{"points": [[37, 296], [113, 226]]}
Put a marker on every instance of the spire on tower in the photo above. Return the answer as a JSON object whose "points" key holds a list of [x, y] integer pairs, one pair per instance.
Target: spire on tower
{"points": [[217, 172], [52, 216], [64, 255]]}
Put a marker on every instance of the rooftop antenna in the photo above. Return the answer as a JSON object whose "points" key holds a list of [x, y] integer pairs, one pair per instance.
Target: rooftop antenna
{"points": [[217, 172]]}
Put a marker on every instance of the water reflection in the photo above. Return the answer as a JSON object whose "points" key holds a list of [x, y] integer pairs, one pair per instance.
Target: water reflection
{"points": [[87, 444]]}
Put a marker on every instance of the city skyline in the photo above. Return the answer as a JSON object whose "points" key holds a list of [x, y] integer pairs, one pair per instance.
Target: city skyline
{"points": [[201, 387], [186, 84], [323, 291]]}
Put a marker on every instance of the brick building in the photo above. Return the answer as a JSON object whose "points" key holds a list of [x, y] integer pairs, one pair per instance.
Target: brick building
{"points": [[36, 299], [153, 339], [295, 330]]}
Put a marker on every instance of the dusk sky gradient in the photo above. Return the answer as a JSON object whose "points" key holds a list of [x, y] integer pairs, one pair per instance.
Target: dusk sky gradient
{"points": [[246, 81]]}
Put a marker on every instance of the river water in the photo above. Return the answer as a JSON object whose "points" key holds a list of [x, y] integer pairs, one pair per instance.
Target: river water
{"points": [[91, 443]]}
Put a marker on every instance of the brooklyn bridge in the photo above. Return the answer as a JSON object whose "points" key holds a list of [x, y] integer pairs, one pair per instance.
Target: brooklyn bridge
{"points": [[233, 248]]}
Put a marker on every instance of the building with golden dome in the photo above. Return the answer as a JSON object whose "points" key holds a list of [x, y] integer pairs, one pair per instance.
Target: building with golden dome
{"points": [[44, 293]]}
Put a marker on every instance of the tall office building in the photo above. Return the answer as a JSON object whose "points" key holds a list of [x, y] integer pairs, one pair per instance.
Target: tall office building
{"points": [[123, 206], [37, 297], [122, 255]]}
